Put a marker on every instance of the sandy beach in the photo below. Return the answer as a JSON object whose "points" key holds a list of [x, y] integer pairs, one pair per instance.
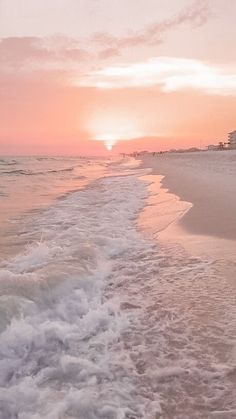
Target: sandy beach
{"points": [[207, 180], [202, 188], [191, 209]]}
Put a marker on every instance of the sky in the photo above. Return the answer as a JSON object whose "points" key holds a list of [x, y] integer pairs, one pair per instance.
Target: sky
{"points": [[111, 76]]}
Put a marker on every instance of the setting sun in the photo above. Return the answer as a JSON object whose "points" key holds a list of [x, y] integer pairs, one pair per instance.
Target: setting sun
{"points": [[111, 128], [108, 139]]}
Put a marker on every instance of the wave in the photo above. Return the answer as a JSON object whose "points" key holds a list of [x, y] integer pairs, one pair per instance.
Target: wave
{"points": [[98, 322], [60, 329], [8, 162], [36, 173]]}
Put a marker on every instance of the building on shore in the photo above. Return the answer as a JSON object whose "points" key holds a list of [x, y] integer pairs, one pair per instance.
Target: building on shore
{"points": [[220, 146], [232, 140], [212, 147]]}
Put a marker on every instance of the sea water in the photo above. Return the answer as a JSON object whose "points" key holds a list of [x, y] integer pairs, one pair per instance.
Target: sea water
{"points": [[97, 318]]}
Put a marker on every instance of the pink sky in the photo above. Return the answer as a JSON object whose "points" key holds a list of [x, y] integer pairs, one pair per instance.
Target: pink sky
{"points": [[84, 76]]}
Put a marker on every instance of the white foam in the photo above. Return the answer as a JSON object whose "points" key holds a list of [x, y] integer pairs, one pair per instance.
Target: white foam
{"points": [[99, 322], [55, 344]]}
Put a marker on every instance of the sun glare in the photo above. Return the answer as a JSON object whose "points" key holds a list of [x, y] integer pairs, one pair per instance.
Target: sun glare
{"points": [[109, 146], [110, 129], [108, 139]]}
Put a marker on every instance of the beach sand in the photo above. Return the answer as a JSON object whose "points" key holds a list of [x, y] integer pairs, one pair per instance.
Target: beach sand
{"points": [[191, 211], [200, 188]]}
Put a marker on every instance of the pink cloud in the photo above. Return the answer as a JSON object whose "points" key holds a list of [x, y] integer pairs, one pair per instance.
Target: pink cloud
{"points": [[60, 51], [196, 14], [21, 52]]}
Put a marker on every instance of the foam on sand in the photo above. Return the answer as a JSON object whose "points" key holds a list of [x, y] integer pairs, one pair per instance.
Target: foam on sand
{"points": [[99, 321]]}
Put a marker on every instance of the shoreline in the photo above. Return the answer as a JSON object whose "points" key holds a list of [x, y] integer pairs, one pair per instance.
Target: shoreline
{"points": [[200, 188]]}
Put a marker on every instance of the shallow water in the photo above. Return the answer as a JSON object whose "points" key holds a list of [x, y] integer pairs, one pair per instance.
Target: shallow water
{"points": [[100, 320], [30, 184]]}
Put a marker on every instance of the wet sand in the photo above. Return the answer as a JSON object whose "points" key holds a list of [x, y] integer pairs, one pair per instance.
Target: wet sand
{"points": [[191, 213], [207, 180], [203, 185]]}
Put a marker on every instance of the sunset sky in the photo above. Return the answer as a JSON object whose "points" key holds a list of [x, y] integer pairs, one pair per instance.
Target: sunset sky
{"points": [[86, 76]]}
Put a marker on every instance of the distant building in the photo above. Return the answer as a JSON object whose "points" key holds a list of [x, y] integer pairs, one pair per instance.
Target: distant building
{"points": [[212, 147], [232, 140], [220, 146]]}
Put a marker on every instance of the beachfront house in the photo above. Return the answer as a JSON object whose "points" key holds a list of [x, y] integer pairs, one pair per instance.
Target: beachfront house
{"points": [[232, 140], [220, 146], [212, 147]]}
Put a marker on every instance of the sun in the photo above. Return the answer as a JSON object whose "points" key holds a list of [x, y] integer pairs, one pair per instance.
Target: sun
{"points": [[109, 146], [108, 139], [113, 128]]}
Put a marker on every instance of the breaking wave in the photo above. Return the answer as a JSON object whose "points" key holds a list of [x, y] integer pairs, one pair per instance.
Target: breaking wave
{"points": [[36, 173], [59, 330], [98, 321]]}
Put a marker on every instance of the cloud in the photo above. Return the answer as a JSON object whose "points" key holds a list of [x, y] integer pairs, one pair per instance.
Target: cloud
{"points": [[68, 53], [28, 52], [197, 14], [108, 53], [169, 73]]}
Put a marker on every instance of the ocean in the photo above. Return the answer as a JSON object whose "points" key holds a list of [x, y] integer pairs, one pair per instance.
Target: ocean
{"points": [[99, 319]]}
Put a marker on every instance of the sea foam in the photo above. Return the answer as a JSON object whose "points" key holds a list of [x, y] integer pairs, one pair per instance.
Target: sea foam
{"points": [[59, 325], [99, 321]]}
